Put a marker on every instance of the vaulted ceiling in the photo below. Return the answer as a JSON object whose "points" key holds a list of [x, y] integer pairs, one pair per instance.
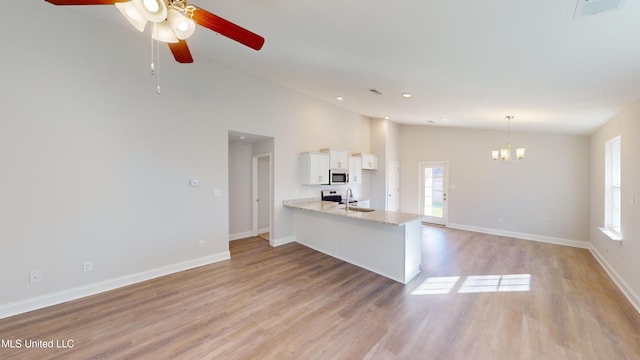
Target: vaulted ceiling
{"points": [[466, 63]]}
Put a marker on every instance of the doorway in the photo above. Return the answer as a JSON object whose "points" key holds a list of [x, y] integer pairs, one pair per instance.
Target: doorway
{"points": [[433, 192], [261, 196]]}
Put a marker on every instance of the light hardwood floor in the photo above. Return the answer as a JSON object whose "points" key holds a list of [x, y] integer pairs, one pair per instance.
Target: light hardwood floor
{"points": [[292, 302]]}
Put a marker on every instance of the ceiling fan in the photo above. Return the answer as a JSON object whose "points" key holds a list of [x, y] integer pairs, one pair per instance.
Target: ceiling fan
{"points": [[174, 21]]}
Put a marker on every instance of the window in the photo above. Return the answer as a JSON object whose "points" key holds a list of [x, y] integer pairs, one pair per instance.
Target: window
{"points": [[612, 190]]}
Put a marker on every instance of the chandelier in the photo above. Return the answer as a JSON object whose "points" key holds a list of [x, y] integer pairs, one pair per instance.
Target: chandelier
{"points": [[505, 153]]}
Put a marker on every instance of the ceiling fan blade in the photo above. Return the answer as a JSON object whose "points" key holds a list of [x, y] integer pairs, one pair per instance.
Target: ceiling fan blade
{"points": [[181, 52], [84, 2], [227, 28]]}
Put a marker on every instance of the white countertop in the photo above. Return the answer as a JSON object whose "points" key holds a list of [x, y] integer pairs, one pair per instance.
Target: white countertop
{"points": [[327, 207]]}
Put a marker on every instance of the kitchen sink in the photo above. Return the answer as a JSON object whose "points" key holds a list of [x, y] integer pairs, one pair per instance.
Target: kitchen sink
{"points": [[361, 209]]}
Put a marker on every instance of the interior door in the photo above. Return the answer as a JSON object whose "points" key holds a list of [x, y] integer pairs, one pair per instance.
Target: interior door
{"points": [[261, 194], [433, 192], [393, 186]]}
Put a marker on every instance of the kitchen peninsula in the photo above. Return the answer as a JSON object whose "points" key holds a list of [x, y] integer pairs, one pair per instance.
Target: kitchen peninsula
{"points": [[385, 242]]}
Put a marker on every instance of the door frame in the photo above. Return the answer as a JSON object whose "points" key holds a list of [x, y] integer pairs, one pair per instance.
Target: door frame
{"points": [[255, 179], [445, 185], [392, 164]]}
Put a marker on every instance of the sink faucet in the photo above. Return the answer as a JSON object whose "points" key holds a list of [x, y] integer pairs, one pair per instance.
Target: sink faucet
{"points": [[348, 194]]}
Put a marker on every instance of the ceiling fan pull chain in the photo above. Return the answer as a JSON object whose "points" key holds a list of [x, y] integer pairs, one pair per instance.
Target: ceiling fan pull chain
{"points": [[155, 57], [158, 72], [153, 66]]}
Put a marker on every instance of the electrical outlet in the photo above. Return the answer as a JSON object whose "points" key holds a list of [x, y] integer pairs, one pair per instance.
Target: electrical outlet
{"points": [[87, 266], [35, 277], [201, 244]]}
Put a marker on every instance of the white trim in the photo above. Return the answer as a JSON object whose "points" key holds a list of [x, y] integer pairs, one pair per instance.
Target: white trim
{"points": [[628, 292], [282, 241], [633, 298], [240, 235], [523, 236], [445, 206], [611, 234], [59, 297]]}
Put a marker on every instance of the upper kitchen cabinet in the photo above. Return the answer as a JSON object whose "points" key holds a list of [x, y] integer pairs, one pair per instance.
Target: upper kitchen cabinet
{"points": [[338, 159], [369, 161], [314, 168], [355, 170]]}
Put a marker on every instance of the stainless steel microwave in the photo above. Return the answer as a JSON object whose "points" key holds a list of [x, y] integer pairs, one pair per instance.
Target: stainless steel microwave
{"points": [[338, 176]]}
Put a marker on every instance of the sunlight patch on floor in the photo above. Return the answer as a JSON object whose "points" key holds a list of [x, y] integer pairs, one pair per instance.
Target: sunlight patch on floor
{"points": [[475, 284], [436, 285]]}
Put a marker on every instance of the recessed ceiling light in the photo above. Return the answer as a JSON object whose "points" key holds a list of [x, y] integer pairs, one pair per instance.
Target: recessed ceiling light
{"points": [[339, 98], [387, 118], [430, 122], [444, 120], [406, 95], [241, 137]]}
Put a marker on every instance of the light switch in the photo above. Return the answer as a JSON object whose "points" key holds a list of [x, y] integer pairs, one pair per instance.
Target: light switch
{"points": [[217, 192], [194, 182]]}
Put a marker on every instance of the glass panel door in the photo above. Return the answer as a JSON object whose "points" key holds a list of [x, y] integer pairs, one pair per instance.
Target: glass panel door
{"points": [[433, 192]]}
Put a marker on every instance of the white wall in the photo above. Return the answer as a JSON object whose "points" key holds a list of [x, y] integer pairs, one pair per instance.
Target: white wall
{"points": [[544, 195], [240, 189], [619, 258], [384, 144], [96, 166]]}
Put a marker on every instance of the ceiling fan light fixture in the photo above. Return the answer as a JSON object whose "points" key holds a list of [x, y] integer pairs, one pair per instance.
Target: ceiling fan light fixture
{"points": [[183, 27], [129, 11], [163, 32], [151, 5], [152, 10]]}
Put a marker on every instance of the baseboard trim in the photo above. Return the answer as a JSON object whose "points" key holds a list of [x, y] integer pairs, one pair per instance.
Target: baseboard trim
{"points": [[628, 292], [241, 235], [282, 241], [523, 236], [23, 306]]}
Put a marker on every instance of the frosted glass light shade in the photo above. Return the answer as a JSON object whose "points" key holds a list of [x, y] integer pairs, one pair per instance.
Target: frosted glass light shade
{"points": [[152, 10], [182, 25], [495, 154], [504, 154], [130, 13], [520, 153], [163, 32]]}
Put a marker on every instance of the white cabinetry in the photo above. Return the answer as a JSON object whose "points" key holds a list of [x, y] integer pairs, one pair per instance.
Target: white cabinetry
{"points": [[338, 159], [355, 170], [369, 161], [314, 168]]}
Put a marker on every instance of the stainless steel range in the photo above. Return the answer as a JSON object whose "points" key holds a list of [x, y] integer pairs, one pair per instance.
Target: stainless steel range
{"points": [[336, 196]]}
